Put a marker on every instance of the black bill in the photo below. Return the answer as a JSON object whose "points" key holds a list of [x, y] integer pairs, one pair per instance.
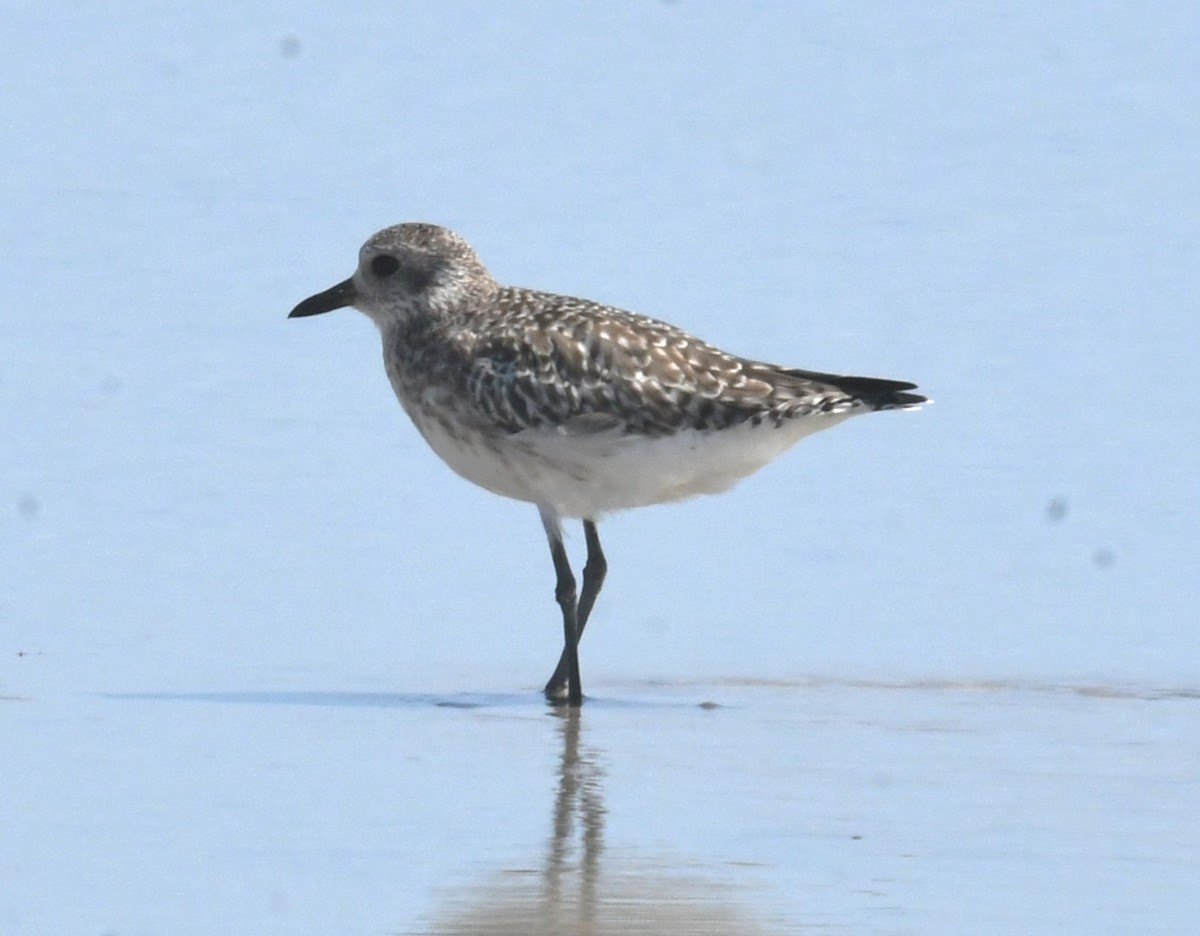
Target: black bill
{"points": [[337, 297]]}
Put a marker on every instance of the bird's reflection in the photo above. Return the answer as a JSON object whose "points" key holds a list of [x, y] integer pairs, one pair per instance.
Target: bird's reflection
{"points": [[581, 891], [578, 805]]}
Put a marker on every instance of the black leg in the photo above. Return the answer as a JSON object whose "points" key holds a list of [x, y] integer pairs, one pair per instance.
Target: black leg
{"points": [[564, 594], [593, 579], [593, 573]]}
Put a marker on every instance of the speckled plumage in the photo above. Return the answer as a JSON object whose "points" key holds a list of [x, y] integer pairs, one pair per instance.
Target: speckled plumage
{"points": [[577, 407]]}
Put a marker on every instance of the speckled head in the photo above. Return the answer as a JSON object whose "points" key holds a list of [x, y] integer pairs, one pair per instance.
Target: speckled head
{"points": [[408, 270]]}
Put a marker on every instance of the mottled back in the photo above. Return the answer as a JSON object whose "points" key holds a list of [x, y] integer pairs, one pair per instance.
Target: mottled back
{"points": [[539, 359]]}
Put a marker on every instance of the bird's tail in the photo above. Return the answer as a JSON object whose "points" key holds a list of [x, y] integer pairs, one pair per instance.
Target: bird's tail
{"points": [[876, 392]]}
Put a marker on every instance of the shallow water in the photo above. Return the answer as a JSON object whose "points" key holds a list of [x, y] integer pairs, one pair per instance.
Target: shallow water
{"points": [[712, 807], [267, 666]]}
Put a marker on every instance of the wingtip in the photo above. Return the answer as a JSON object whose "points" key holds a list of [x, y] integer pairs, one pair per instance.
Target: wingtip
{"points": [[908, 401]]}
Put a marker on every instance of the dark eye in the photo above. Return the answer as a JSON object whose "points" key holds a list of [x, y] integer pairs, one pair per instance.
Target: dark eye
{"points": [[384, 265]]}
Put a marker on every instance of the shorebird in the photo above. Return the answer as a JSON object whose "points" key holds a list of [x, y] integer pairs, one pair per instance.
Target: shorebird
{"points": [[579, 408]]}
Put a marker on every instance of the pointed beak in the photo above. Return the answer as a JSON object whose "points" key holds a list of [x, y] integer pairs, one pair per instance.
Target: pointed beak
{"points": [[338, 297]]}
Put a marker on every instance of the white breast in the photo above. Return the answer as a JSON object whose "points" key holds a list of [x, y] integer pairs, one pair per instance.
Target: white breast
{"points": [[590, 473]]}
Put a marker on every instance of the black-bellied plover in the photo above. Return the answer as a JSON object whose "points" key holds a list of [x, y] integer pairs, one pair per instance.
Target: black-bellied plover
{"points": [[579, 408]]}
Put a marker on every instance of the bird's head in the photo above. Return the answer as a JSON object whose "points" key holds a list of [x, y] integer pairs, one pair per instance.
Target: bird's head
{"points": [[406, 271]]}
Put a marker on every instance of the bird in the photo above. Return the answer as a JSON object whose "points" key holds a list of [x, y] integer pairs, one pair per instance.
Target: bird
{"points": [[578, 408]]}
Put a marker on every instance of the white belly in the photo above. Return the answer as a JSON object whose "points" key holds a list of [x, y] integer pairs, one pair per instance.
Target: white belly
{"points": [[588, 474]]}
